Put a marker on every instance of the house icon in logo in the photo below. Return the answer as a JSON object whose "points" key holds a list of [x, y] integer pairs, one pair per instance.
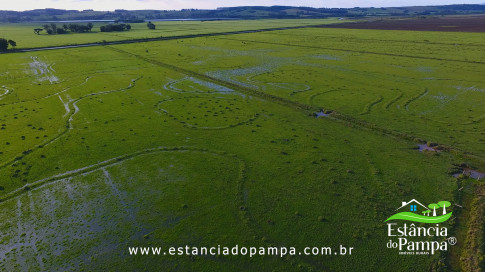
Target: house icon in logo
{"points": [[412, 206], [413, 209]]}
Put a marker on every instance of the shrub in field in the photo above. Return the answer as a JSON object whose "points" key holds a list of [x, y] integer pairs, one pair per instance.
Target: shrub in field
{"points": [[150, 25], [3, 44]]}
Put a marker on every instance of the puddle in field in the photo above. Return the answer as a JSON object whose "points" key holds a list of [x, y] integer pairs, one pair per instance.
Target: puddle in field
{"points": [[3, 91], [196, 87], [472, 88], [423, 147], [321, 114], [230, 75], [327, 57], [42, 70], [424, 69], [213, 86], [444, 98], [474, 174]]}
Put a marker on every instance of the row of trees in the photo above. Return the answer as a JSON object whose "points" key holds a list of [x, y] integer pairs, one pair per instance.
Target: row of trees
{"points": [[434, 206], [4, 43], [52, 29], [115, 27]]}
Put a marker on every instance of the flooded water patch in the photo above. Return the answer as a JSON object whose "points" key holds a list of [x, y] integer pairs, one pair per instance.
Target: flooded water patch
{"points": [[472, 88], [424, 69], [42, 71], [467, 172], [425, 147], [194, 85], [3, 91], [322, 113], [327, 57]]}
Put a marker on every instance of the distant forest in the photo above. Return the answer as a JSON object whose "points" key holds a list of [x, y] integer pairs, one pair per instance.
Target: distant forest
{"points": [[255, 12]]}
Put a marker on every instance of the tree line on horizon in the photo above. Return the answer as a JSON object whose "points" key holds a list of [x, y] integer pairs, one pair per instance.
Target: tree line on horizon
{"points": [[52, 28], [248, 12]]}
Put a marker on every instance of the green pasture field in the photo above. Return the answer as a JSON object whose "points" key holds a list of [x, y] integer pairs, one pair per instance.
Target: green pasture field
{"points": [[166, 144], [431, 89], [25, 37]]}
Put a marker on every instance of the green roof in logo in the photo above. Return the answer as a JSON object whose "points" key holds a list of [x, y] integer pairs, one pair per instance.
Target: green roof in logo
{"points": [[410, 212]]}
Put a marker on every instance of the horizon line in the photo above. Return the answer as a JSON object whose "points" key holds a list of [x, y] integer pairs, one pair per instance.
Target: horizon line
{"points": [[114, 10]]}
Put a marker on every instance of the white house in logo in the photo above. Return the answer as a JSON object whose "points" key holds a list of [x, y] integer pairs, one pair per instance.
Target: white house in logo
{"points": [[413, 209], [412, 206]]}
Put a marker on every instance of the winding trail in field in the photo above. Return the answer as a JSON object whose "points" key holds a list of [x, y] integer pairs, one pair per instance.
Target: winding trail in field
{"points": [[415, 98], [240, 123], [394, 100], [49, 95], [68, 126], [66, 106], [369, 106]]}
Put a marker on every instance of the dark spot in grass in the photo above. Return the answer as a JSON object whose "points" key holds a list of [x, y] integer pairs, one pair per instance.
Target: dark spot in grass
{"points": [[322, 219]]}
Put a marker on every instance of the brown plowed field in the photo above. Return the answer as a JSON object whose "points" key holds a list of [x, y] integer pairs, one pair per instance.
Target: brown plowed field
{"points": [[474, 23]]}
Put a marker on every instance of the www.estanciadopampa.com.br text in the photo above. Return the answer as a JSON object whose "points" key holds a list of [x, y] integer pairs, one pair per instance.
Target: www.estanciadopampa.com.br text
{"points": [[240, 251]]}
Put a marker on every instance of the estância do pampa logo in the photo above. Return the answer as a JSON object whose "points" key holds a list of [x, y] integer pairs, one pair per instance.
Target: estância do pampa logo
{"points": [[419, 239]]}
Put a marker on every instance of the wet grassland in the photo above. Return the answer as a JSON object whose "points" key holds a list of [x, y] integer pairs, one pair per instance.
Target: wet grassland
{"points": [[214, 140]]}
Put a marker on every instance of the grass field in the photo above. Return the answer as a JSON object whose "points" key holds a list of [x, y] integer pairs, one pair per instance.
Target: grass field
{"points": [[24, 35], [213, 141]]}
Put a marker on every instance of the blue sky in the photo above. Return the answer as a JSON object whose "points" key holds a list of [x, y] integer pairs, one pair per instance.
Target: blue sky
{"points": [[209, 4]]}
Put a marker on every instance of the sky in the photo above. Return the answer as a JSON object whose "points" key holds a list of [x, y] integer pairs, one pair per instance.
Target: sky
{"points": [[211, 4]]}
